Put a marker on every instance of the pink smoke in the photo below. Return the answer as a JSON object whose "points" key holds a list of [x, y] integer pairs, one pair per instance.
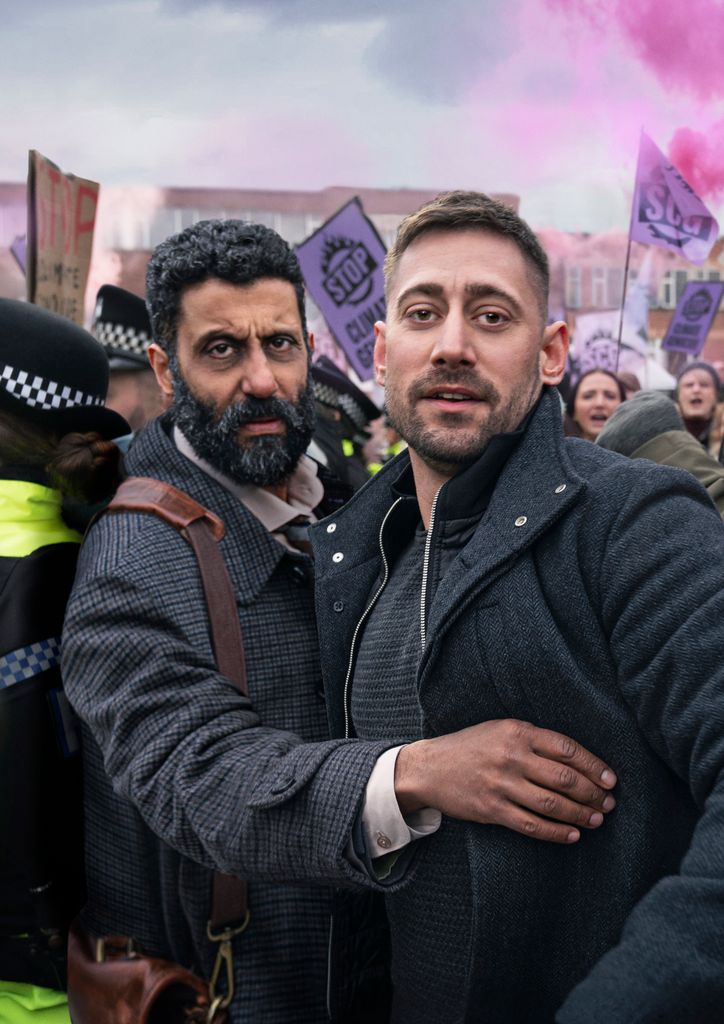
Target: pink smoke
{"points": [[680, 42], [700, 158]]}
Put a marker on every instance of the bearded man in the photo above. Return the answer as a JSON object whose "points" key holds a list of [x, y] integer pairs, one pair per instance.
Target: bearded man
{"points": [[185, 777]]}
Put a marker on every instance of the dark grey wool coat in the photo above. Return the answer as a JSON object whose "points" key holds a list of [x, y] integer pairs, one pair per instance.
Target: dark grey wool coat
{"points": [[602, 616], [183, 776]]}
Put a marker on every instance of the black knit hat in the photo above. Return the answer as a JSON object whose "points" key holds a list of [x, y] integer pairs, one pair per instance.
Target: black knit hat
{"points": [[334, 388], [53, 372], [122, 325]]}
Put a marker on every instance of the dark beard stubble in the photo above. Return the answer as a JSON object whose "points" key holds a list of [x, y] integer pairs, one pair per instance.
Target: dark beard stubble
{"points": [[448, 446]]}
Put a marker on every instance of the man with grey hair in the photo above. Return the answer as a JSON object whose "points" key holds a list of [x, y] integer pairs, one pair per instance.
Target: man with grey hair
{"points": [[499, 569], [185, 777]]}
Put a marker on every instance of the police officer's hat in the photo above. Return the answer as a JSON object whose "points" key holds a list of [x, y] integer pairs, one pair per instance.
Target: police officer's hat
{"points": [[53, 372], [332, 387], [121, 324]]}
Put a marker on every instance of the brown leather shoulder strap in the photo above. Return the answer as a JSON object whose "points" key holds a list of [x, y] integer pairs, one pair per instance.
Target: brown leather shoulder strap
{"points": [[144, 494], [202, 529]]}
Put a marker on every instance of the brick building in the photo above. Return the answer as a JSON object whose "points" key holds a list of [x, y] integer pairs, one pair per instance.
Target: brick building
{"points": [[587, 269]]}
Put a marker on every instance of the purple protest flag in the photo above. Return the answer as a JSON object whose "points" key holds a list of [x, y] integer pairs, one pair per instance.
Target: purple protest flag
{"points": [[342, 267], [693, 317], [666, 210]]}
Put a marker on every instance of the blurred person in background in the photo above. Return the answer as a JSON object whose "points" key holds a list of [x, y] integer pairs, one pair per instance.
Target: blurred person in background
{"points": [[384, 445], [54, 445], [593, 399], [649, 427], [697, 395], [631, 383], [344, 413], [121, 324]]}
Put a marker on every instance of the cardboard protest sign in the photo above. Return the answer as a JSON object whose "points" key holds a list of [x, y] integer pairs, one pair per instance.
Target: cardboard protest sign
{"points": [[693, 317], [61, 218], [342, 267], [666, 210]]}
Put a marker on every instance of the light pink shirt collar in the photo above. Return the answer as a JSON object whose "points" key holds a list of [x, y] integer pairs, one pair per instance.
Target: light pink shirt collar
{"points": [[305, 491]]}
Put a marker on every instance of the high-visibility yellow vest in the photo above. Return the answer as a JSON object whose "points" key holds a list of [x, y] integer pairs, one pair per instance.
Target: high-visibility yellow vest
{"points": [[29, 1004], [30, 518]]}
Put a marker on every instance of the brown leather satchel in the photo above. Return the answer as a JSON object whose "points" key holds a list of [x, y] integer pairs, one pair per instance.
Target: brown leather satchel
{"points": [[109, 980]]}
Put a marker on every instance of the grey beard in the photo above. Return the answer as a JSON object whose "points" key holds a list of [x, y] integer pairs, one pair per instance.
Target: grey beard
{"points": [[263, 461]]}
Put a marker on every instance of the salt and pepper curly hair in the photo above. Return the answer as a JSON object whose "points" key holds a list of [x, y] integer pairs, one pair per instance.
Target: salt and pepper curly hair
{"points": [[229, 250]]}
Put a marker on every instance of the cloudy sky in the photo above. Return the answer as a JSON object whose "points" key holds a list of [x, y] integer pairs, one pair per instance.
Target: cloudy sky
{"points": [[544, 98]]}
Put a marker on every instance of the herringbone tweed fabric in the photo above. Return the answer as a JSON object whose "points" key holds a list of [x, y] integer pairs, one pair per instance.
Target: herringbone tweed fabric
{"points": [[182, 774]]}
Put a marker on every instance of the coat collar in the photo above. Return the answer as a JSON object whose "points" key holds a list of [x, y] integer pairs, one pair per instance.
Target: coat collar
{"points": [[252, 554], [535, 486]]}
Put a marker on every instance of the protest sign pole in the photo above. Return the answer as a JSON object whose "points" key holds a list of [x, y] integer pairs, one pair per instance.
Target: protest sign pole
{"points": [[623, 297]]}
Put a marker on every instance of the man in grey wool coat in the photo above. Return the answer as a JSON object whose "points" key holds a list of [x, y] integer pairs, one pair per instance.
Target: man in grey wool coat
{"points": [[184, 776], [499, 570]]}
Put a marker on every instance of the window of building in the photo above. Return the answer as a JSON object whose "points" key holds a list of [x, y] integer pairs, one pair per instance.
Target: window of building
{"points": [[293, 227], [573, 288], [671, 288], [614, 287], [598, 288]]}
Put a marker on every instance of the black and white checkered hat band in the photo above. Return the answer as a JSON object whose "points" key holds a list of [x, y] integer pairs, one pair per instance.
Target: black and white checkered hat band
{"points": [[119, 336], [328, 395], [41, 393]]}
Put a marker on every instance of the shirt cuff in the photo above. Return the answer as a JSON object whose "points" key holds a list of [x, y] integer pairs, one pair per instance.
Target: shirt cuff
{"points": [[385, 828]]}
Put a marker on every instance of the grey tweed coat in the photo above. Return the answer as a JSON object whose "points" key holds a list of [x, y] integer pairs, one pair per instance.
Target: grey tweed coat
{"points": [[589, 600], [182, 775]]}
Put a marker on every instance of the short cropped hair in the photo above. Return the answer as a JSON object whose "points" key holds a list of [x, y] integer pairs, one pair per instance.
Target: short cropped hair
{"points": [[464, 211], [230, 250]]}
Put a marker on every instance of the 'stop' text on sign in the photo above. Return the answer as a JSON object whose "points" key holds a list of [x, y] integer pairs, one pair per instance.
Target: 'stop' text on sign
{"points": [[342, 267]]}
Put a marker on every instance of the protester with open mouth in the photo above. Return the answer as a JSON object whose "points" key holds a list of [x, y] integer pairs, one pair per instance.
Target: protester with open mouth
{"points": [[593, 399], [697, 394]]}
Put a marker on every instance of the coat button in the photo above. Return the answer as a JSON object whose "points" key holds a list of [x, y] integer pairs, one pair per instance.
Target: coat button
{"points": [[521, 520], [383, 841], [560, 489], [331, 528], [338, 606], [337, 556]]}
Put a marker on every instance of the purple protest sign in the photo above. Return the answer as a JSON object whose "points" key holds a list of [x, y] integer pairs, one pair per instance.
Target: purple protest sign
{"points": [[18, 249], [666, 210], [693, 317], [342, 267]]}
